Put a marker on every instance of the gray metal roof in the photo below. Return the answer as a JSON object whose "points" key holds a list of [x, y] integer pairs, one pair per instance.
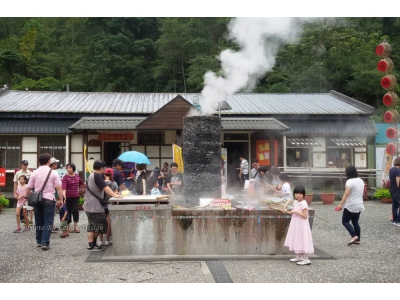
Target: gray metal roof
{"points": [[126, 123], [355, 127], [302, 142], [148, 103], [35, 126], [347, 142], [106, 123], [252, 124]]}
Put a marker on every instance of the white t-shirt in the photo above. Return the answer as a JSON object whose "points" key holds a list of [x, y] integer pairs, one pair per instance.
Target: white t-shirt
{"points": [[354, 202], [286, 189], [28, 174], [244, 165]]}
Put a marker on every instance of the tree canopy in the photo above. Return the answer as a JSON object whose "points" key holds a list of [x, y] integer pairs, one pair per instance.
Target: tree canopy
{"points": [[173, 54]]}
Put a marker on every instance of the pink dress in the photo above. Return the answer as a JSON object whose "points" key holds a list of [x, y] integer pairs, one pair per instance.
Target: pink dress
{"points": [[21, 192], [299, 238]]}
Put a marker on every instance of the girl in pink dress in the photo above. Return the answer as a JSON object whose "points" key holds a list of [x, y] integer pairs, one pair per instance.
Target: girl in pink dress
{"points": [[20, 195], [299, 238]]}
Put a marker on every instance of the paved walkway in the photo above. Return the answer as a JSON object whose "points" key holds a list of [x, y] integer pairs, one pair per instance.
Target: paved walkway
{"points": [[375, 260]]}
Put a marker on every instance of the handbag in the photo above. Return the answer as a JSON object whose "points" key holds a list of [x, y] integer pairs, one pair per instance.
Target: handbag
{"points": [[103, 201], [35, 198]]}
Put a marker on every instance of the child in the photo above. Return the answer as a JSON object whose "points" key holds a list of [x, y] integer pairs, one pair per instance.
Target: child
{"points": [[109, 180], [298, 237], [64, 218], [155, 190], [285, 193], [20, 195]]}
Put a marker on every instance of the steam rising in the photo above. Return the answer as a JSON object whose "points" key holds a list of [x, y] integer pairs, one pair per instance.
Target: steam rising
{"points": [[259, 40]]}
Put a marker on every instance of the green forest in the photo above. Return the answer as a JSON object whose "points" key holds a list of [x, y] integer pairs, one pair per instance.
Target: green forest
{"points": [[173, 54]]}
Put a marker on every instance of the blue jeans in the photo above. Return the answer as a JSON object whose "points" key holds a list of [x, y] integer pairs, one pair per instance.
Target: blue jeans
{"points": [[348, 216], [395, 208], [44, 219]]}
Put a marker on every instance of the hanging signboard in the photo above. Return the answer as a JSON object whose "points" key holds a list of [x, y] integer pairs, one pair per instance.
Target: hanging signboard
{"points": [[2, 176], [104, 136]]}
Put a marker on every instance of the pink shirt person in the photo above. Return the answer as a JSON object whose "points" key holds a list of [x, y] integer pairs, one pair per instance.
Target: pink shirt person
{"points": [[39, 177]]}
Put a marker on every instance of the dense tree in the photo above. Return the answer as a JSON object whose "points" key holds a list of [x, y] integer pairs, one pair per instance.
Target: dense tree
{"points": [[173, 54]]}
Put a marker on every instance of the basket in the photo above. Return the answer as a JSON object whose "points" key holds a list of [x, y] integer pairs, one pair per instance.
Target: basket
{"points": [[385, 65], [388, 82], [390, 99], [391, 133], [391, 116], [383, 49], [391, 149]]}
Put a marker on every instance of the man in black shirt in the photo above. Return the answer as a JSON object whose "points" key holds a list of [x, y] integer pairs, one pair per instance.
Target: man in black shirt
{"points": [[118, 178], [394, 177], [97, 220], [174, 180]]}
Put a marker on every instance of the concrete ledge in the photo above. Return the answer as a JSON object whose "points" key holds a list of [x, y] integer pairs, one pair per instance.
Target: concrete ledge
{"points": [[200, 232]]}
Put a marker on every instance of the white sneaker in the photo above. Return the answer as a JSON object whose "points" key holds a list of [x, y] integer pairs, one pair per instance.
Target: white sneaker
{"points": [[304, 262], [108, 243], [100, 243], [296, 259]]}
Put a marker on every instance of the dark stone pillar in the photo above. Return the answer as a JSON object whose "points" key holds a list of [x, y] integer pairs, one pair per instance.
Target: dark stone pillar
{"points": [[202, 157]]}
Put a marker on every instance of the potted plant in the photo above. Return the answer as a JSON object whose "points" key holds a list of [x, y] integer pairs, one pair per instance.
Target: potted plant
{"points": [[309, 196], [383, 192], [4, 202], [80, 203], [328, 195]]}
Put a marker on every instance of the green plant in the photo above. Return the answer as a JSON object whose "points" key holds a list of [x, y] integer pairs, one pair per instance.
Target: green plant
{"points": [[4, 201], [382, 193], [327, 190], [81, 200], [309, 192]]}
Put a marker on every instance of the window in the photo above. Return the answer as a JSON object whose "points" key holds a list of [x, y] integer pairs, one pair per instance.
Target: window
{"points": [[53, 144], [298, 157], [298, 151], [10, 152], [151, 137]]}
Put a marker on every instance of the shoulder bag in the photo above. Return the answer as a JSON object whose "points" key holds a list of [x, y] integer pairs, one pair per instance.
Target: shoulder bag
{"points": [[36, 198], [102, 201]]}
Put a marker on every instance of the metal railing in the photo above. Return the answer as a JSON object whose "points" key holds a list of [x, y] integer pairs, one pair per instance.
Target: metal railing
{"points": [[323, 177]]}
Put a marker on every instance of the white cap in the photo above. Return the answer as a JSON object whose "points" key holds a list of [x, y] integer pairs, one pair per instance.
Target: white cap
{"points": [[53, 160]]}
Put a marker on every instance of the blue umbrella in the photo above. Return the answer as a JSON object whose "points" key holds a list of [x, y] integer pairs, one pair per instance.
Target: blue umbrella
{"points": [[134, 156]]}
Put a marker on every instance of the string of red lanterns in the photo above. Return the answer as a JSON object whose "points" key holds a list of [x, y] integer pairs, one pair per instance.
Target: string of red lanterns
{"points": [[390, 99]]}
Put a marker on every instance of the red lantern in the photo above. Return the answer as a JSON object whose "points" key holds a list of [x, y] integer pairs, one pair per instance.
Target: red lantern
{"points": [[385, 65], [390, 99], [391, 133], [391, 116], [383, 49], [388, 82], [391, 149]]}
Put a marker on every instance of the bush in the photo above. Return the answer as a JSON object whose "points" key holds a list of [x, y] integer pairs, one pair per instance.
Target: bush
{"points": [[4, 201], [327, 190], [382, 193]]}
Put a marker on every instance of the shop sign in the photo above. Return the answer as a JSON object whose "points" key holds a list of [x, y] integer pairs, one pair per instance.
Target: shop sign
{"points": [[115, 136], [221, 202], [2, 176]]}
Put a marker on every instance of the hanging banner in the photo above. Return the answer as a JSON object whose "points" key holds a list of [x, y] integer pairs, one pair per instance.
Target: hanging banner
{"points": [[2, 176], [86, 168], [177, 156]]}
